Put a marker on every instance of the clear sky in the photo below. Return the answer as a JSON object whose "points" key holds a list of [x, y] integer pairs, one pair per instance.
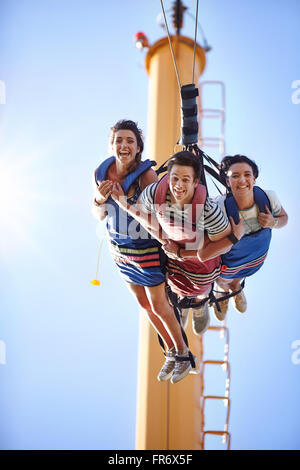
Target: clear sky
{"points": [[68, 351]]}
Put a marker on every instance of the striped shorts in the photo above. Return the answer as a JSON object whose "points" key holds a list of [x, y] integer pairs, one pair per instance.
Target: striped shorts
{"points": [[139, 264]]}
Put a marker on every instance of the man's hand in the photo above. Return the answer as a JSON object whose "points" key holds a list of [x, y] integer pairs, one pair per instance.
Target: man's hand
{"points": [[171, 249], [239, 229]]}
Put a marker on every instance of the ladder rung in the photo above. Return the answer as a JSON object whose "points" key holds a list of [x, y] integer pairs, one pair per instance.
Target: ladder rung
{"points": [[216, 397], [217, 433], [212, 113], [216, 362], [217, 328]]}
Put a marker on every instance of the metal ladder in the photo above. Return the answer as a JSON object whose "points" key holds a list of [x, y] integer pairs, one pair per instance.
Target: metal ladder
{"points": [[216, 142], [212, 113]]}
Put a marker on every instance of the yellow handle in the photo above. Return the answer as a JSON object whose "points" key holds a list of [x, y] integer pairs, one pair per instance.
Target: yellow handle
{"points": [[95, 282]]}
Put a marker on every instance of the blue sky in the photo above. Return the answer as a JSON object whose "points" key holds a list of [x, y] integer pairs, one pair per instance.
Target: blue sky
{"points": [[71, 69]]}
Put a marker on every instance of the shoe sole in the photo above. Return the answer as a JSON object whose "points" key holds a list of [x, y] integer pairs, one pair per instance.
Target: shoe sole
{"points": [[235, 306], [237, 310], [202, 331], [165, 378], [218, 313], [182, 375], [191, 370]]}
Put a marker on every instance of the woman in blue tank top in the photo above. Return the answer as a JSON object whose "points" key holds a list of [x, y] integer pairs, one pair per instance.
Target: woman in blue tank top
{"points": [[137, 255]]}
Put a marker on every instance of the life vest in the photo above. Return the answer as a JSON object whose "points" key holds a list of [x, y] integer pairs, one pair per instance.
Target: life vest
{"points": [[121, 227], [249, 253], [188, 277], [101, 172]]}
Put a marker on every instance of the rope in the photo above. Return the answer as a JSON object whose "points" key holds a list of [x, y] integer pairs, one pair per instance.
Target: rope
{"points": [[170, 42], [205, 43], [196, 24], [99, 253]]}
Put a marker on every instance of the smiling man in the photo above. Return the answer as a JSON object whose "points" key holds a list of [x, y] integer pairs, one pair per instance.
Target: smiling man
{"points": [[192, 224], [194, 232]]}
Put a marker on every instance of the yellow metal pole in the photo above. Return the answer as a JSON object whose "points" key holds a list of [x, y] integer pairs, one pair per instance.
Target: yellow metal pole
{"points": [[168, 416]]}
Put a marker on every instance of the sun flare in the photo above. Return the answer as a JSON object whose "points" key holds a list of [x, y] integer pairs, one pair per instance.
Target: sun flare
{"points": [[16, 201]]}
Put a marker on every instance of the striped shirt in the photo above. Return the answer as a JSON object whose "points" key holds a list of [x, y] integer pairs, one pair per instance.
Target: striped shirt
{"points": [[212, 218]]}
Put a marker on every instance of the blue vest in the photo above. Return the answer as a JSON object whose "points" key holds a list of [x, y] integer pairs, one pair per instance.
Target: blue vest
{"points": [[248, 255], [122, 228]]}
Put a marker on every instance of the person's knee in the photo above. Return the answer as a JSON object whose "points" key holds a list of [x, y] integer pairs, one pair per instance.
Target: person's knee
{"points": [[235, 284], [223, 283], [143, 302], [162, 309]]}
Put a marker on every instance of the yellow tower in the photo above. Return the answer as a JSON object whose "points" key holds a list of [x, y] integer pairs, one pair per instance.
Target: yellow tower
{"points": [[168, 416]]}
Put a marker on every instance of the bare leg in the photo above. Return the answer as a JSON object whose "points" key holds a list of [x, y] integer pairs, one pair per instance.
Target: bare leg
{"points": [[140, 294], [204, 294], [155, 302], [161, 307], [199, 296], [232, 284], [239, 300]]}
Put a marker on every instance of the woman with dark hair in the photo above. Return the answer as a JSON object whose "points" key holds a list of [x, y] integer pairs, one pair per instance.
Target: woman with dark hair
{"points": [[138, 256], [259, 211]]}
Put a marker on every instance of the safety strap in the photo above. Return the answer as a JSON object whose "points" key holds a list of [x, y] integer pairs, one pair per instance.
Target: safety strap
{"points": [[162, 167], [214, 173], [228, 295], [174, 300], [191, 302], [202, 155], [186, 358]]}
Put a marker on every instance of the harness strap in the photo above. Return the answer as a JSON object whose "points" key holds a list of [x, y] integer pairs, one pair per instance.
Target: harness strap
{"points": [[162, 167], [174, 300], [192, 303], [190, 358], [202, 155], [228, 295], [162, 344]]}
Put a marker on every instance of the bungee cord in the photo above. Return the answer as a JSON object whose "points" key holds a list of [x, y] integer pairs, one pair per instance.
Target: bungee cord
{"points": [[170, 42], [195, 41], [96, 282], [171, 46]]}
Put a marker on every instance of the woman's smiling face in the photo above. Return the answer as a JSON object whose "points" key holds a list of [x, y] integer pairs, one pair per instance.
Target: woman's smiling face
{"points": [[240, 179], [125, 146]]}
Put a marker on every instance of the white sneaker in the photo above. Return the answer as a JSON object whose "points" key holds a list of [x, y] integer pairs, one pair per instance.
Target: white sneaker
{"points": [[167, 369], [201, 319], [184, 317], [239, 302], [223, 304], [182, 368]]}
